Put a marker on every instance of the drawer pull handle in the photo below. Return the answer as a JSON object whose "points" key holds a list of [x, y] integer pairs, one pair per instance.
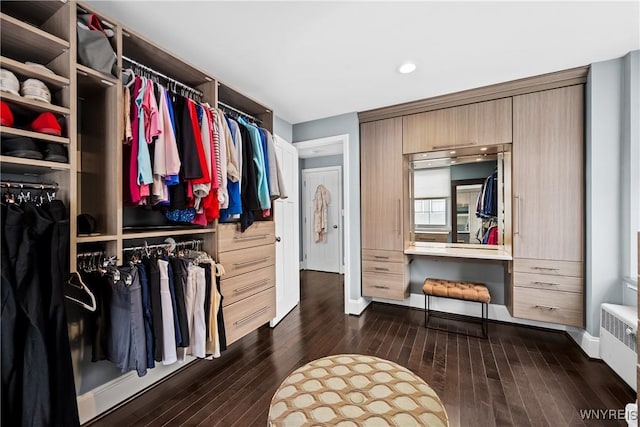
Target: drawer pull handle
{"points": [[380, 287], [463, 144], [250, 317], [380, 269], [546, 283], [245, 238], [246, 263], [547, 307], [545, 268], [380, 257], [250, 286]]}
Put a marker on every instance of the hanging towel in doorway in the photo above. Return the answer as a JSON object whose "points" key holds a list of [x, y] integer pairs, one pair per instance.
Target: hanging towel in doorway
{"points": [[321, 202]]}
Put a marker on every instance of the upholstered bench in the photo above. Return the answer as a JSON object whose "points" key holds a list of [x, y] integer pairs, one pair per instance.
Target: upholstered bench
{"points": [[466, 291]]}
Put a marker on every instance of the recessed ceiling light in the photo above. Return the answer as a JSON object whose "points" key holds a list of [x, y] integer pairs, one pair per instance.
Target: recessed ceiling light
{"points": [[452, 152], [478, 159], [483, 149], [424, 155], [453, 161], [407, 67]]}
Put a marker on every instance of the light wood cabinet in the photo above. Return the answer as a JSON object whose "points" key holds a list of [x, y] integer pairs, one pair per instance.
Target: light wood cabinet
{"points": [[382, 221], [482, 123], [381, 176], [548, 200]]}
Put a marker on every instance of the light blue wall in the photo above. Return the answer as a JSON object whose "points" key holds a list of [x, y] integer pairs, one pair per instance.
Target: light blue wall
{"points": [[611, 138], [282, 128], [339, 125]]}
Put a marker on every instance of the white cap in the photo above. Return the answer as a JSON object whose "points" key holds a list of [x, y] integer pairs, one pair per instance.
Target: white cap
{"points": [[35, 89], [9, 82]]}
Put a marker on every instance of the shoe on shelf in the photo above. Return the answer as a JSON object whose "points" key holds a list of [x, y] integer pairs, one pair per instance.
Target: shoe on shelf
{"points": [[36, 90], [9, 82], [21, 146], [46, 123], [55, 153], [6, 116]]}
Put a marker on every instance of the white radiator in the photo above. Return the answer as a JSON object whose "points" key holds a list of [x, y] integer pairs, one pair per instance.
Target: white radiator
{"points": [[618, 341]]}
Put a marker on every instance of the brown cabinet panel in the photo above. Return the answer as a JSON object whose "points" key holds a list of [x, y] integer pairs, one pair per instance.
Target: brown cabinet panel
{"points": [[234, 289], [549, 306], [381, 174], [482, 123], [250, 313], [548, 174], [230, 238], [385, 285], [247, 260]]}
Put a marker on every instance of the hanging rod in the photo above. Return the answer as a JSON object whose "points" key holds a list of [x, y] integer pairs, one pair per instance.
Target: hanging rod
{"points": [[29, 185], [164, 76], [242, 113], [164, 245]]}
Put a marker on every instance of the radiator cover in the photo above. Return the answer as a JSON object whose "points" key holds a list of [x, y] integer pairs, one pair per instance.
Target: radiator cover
{"points": [[618, 340]]}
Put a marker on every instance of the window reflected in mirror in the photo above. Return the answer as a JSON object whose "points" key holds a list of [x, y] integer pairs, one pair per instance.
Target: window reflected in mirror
{"points": [[459, 200]]}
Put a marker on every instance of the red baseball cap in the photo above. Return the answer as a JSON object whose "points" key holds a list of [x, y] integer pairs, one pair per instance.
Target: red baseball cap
{"points": [[6, 116], [46, 123]]}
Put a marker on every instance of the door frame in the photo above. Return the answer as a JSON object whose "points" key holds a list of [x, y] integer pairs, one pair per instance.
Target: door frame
{"points": [[334, 145], [305, 236]]}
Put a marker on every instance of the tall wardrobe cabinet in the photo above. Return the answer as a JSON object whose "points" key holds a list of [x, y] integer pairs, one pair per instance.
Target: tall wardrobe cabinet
{"points": [[384, 265], [548, 191]]}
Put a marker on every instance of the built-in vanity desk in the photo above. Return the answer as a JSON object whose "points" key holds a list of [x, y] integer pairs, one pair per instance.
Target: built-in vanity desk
{"points": [[458, 252], [425, 165]]}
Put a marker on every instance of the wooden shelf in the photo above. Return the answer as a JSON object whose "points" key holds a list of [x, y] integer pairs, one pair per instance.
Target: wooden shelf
{"points": [[167, 232], [52, 80], [37, 12], [32, 105], [96, 238], [25, 42], [19, 165], [87, 75], [7, 131]]}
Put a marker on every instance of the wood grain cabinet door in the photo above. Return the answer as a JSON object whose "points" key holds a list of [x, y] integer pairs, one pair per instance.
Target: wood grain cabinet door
{"points": [[478, 124], [381, 183], [548, 174]]}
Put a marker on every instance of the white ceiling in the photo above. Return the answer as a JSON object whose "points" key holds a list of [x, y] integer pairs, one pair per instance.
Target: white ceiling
{"points": [[309, 60]]}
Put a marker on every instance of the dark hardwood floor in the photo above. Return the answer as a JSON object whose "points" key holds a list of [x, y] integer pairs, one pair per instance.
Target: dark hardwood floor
{"points": [[518, 377]]}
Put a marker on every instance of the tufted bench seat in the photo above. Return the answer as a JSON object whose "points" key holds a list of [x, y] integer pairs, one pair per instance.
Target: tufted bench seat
{"points": [[466, 291]]}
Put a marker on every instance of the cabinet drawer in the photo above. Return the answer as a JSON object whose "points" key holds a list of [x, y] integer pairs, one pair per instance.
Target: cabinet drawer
{"points": [[230, 238], [383, 267], [385, 285], [248, 314], [244, 285], [378, 255], [544, 266], [246, 260], [565, 308], [548, 281]]}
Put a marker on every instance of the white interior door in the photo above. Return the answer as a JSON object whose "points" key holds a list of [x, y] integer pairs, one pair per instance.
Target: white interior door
{"points": [[325, 254], [286, 217]]}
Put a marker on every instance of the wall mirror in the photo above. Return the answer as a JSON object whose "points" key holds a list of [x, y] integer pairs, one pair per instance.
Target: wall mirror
{"points": [[461, 198]]}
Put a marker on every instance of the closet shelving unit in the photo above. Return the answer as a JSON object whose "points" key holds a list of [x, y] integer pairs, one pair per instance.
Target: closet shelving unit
{"points": [[40, 33], [90, 104], [147, 53]]}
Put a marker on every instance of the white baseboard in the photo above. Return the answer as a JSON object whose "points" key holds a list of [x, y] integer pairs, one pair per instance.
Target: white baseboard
{"points": [[303, 265], [588, 343], [105, 397], [357, 306]]}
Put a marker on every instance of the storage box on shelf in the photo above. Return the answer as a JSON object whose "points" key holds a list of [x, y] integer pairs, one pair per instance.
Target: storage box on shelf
{"points": [[248, 286]]}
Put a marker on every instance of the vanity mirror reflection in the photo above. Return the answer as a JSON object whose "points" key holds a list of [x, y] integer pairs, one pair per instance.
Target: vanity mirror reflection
{"points": [[460, 198]]}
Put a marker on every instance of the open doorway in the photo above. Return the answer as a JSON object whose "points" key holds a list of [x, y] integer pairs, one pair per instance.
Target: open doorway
{"points": [[322, 192]]}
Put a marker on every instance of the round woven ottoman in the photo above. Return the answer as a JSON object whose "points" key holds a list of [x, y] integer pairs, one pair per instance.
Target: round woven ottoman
{"points": [[347, 390]]}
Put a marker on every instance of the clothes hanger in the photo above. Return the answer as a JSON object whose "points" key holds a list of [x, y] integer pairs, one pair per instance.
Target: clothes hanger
{"points": [[76, 281]]}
